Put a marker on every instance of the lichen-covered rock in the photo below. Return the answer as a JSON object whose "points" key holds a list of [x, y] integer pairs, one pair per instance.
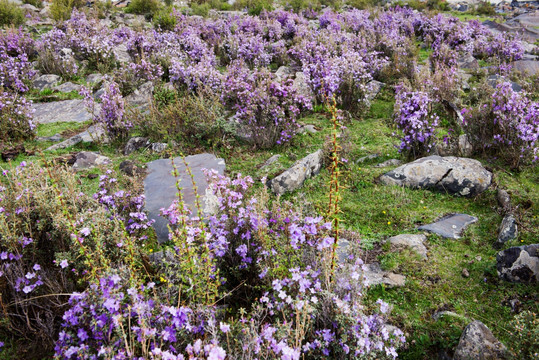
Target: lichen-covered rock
{"points": [[413, 241], [459, 176], [519, 264], [136, 143], [87, 160], [92, 134], [293, 178], [508, 230], [450, 226], [46, 81], [478, 343], [61, 111]]}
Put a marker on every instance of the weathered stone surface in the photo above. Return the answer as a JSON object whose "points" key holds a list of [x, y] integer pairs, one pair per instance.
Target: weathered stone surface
{"points": [[494, 80], [390, 162], [459, 176], [374, 87], [61, 111], [142, 96], [529, 67], [270, 161], [136, 143], [284, 72], [94, 79], [450, 226], [374, 275], [519, 264], [468, 62], [465, 146], [46, 81], [508, 230], [92, 134], [87, 160], [129, 168], [67, 87], [54, 138], [413, 241], [159, 147], [300, 84], [504, 200], [307, 129], [293, 178], [160, 186], [478, 343], [121, 54]]}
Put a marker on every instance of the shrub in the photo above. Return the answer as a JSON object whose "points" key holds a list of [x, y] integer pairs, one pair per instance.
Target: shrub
{"points": [[16, 71], [15, 118], [414, 117], [254, 7], [363, 4], [504, 124], [11, 14], [201, 9], [54, 55], [61, 9], [524, 331], [484, 8], [111, 112], [37, 3], [53, 240], [165, 20], [144, 7]]}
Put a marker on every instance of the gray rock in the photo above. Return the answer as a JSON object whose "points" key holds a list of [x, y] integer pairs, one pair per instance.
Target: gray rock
{"points": [[158, 258], [528, 67], [465, 146], [30, 8], [390, 162], [413, 241], [283, 72], [465, 273], [142, 96], [87, 160], [160, 186], [459, 176], [464, 79], [450, 226], [92, 134], [293, 178], [301, 86], [439, 314], [67, 87], [508, 230], [270, 161], [519, 264], [159, 147], [478, 343], [504, 200], [61, 111], [136, 143], [374, 275], [121, 54], [46, 81], [494, 80], [129, 168], [94, 79], [367, 157], [54, 138], [307, 129], [468, 62], [374, 87]]}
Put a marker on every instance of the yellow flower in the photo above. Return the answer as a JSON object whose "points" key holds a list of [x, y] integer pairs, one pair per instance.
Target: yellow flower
{"points": [[163, 280], [151, 250], [383, 212], [389, 222]]}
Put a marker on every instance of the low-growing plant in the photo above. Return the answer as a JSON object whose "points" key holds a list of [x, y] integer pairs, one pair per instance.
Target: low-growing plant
{"points": [[144, 7], [10, 14], [484, 8], [61, 9], [16, 70], [524, 330], [16, 123], [504, 124], [254, 7], [37, 3], [165, 19]]}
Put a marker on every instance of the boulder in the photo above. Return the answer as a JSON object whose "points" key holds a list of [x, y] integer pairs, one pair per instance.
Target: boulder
{"points": [[374, 275], [301, 86], [465, 146], [129, 168], [136, 143], [478, 343], [121, 54], [293, 178], [508, 230], [450, 226], [283, 72], [519, 264], [373, 88], [413, 241], [468, 62], [67, 87], [160, 187], [528, 67], [46, 81], [92, 134], [141, 97], [94, 79], [159, 147], [504, 200], [454, 175], [61, 111], [88, 160]]}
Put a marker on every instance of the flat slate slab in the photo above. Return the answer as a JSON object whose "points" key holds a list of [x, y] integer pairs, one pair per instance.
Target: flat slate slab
{"points": [[61, 111], [450, 226], [160, 186]]}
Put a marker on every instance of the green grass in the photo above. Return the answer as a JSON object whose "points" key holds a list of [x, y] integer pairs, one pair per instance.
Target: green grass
{"points": [[465, 16]]}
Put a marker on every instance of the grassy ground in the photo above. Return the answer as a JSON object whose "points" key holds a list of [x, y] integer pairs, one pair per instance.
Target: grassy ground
{"points": [[377, 212]]}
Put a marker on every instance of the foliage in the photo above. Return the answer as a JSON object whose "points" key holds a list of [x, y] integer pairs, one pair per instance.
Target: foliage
{"points": [[37, 3], [165, 19], [484, 8], [61, 9], [11, 14], [254, 7], [504, 124], [16, 70], [15, 118], [524, 330], [144, 7]]}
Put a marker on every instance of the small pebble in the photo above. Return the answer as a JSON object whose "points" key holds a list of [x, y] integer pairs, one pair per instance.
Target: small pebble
{"points": [[465, 273]]}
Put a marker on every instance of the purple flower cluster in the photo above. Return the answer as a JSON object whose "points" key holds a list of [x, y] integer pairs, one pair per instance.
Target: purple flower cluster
{"points": [[414, 117], [15, 117], [15, 67]]}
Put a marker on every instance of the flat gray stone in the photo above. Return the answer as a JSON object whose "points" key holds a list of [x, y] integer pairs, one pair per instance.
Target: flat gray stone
{"points": [[160, 186], [302, 87], [454, 175], [374, 275], [121, 54], [46, 81], [508, 230], [92, 134], [67, 87], [88, 160], [478, 343], [450, 226], [413, 241], [61, 111], [293, 178], [387, 163], [519, 264], [142, 96], [54, 138], [528, 67], [94, 79]]}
